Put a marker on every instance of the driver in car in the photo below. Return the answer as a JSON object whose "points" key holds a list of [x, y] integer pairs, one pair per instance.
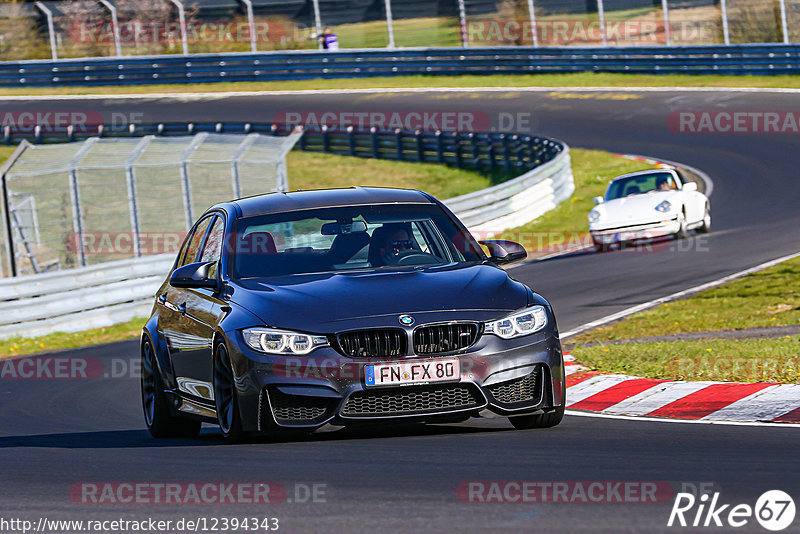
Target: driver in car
{"points": [[390, 242], [663, 184]]}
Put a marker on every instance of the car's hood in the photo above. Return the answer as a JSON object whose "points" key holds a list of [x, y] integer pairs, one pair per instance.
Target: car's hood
{"points": [[332, 302], [635, 209]]}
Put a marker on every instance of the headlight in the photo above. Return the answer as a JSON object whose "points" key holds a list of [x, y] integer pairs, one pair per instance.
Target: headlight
{"points": [[519, 324], [282, 341], [594, 216], [664, 207]]}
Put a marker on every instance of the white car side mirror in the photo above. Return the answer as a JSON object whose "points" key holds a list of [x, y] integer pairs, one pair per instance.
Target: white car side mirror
{"points": [[690, 186], [598, 200]]}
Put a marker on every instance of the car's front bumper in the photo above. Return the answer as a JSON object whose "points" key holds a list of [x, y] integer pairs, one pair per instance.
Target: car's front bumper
{"points": [[497, 378], [634, 232]]}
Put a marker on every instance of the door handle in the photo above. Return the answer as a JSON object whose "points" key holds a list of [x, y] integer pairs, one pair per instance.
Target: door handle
{"points": [[182, 308]]}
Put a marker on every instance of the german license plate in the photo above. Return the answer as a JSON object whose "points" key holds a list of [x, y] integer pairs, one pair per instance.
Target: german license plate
{"points": [[416, 372]]}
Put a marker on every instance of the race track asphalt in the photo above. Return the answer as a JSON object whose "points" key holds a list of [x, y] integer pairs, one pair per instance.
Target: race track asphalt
{"points": [[55, 433]]}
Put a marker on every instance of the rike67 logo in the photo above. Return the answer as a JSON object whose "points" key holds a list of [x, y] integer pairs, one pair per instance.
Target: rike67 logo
{"points": [[774, 510]]}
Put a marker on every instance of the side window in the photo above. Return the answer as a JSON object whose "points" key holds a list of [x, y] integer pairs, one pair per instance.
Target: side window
{"points": [[213, 245], [194, 242]]}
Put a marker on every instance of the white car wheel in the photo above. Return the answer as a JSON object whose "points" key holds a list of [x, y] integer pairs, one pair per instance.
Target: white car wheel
{"points": [[682, 232]]}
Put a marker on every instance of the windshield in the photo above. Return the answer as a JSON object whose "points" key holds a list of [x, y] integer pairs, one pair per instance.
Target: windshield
{"points": [[644, 183], [348, 238]]}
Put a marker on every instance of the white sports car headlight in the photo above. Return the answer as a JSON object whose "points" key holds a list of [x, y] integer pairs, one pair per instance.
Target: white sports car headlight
{"points": [[519, 324], [282, 341], [664, 207], [594, 216]]}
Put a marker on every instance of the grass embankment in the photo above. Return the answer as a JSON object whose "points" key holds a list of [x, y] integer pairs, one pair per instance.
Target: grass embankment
{"points": [[565, 227], [579, 79], [763, 299]]}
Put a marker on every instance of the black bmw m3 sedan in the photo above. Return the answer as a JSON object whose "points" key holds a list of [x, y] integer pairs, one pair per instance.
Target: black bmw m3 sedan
{"points": [[337, 307]]}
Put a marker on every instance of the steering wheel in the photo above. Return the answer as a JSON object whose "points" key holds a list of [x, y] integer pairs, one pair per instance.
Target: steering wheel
{"points": [[415, 257]]}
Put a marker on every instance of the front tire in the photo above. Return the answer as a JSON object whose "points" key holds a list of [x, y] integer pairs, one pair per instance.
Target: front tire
{"points": [[160, 422], [225, 397], [682, 232], [706, 226], [542, 420]]}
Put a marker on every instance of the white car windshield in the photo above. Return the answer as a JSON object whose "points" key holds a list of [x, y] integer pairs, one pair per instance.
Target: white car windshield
{"points": [[640, 184]]}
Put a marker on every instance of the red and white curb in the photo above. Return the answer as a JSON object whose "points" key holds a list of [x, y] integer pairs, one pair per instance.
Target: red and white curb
{"points": [[616, 394]]}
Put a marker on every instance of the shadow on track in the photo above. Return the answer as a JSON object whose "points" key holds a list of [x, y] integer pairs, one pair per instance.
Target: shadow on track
{"points": [[122, 439]]}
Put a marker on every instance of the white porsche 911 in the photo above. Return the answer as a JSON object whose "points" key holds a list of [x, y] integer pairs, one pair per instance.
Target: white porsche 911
{"points": [[647, 205]]}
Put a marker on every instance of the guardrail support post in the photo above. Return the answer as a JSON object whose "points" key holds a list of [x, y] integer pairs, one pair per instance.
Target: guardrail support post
{"points": [[532, 16], [182, 22], [376, 152], [725, 30], [398, 139], [439, 147], [251, 23], [51, 30], [114, 26], [667, 29], [462, 23], [784, 23], [389, 22], [601, 13], [351, 140]]}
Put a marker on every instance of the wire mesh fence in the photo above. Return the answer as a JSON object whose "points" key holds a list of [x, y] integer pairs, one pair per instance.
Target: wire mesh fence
{"points": [[102, 199], [105, 28]]}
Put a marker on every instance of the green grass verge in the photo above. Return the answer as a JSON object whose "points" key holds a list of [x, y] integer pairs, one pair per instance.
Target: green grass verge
{"points": [[566, 225], [309, 170], [742, 360], [18, 346], [581, 79], [765, 298], [762, 299]]}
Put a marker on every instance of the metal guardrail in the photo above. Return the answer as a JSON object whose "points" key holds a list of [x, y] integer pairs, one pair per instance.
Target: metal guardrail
{"points": [[297, 65], [104, 294]]}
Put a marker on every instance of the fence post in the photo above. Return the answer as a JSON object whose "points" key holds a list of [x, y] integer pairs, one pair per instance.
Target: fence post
{"points": [[439, 147], [601, 13], [667, 28], [9, 237], [420, 146], [532, 16], [252, 25], [114, 26], [237, 155], [133, 202], [389, 22], [317, 21], [725, 30], [186, 185], [50, 29], [784, 23], [77, 215], [182, 22], [351, 140], [462, 22], [326, 140]]}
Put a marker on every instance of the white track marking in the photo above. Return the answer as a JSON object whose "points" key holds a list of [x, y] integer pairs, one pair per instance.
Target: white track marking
{"points": [[395, 90], [656, 397], [679, 421], [674, 296], [763, 405], [596, 384]]}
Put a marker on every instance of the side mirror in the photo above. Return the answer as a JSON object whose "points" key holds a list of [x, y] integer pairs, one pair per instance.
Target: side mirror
{"points": [[502, 251], [598, 200], [690, 186], [193, 275]]}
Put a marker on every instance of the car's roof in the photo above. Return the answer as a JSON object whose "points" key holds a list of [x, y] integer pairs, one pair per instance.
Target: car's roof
{"points": [[643, 173], [326, 198]]}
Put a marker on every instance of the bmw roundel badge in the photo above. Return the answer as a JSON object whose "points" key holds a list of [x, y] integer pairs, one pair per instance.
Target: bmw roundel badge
{"points": [[406, 320]]}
